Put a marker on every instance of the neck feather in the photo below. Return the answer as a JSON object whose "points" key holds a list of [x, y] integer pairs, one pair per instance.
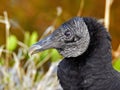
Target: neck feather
{"points": [[99, 50]]}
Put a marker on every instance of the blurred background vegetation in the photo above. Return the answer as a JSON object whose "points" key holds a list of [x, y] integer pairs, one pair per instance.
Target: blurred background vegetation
{"points": [[23, 22]]}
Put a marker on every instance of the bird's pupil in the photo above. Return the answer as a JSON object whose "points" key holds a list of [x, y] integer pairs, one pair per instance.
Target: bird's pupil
{"points": [[67, 33]]}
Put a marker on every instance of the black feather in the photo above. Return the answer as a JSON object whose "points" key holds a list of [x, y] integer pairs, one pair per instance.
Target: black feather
{"points": [[86, 46], [93, 69]]}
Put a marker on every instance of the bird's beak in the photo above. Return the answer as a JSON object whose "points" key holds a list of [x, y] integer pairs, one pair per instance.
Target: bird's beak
{"points": [[41, 45]]}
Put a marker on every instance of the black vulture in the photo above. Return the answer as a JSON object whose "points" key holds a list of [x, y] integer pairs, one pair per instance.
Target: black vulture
{"points": [[86, 47]]}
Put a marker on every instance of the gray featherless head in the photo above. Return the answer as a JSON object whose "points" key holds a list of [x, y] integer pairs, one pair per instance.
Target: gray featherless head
{"points": [[71, 39]]}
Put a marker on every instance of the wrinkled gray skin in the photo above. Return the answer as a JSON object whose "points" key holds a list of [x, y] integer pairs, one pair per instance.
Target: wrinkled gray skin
{"points": [[71, 39]]}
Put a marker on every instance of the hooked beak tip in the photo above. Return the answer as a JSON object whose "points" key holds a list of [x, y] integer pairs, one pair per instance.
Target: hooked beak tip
{"points": [[33, 49]]}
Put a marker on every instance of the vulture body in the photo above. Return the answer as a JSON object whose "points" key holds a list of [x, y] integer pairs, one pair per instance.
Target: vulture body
{"points": [[86, 47]]}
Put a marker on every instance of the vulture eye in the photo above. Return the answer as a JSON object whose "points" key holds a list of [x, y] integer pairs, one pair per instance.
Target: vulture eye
{"points": [[67, 33]]}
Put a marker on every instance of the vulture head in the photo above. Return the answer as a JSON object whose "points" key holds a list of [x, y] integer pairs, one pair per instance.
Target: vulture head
{"points": [[71, 39]]}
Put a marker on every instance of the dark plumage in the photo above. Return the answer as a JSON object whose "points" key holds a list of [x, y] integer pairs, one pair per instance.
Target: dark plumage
{"points": [[86, 46]]}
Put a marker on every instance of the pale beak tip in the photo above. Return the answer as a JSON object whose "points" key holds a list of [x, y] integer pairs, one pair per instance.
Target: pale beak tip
{"points": [[33, 49], [30, 53]]}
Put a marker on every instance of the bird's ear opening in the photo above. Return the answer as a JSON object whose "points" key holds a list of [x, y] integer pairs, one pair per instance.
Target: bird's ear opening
{"points": [[76, 38]]}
